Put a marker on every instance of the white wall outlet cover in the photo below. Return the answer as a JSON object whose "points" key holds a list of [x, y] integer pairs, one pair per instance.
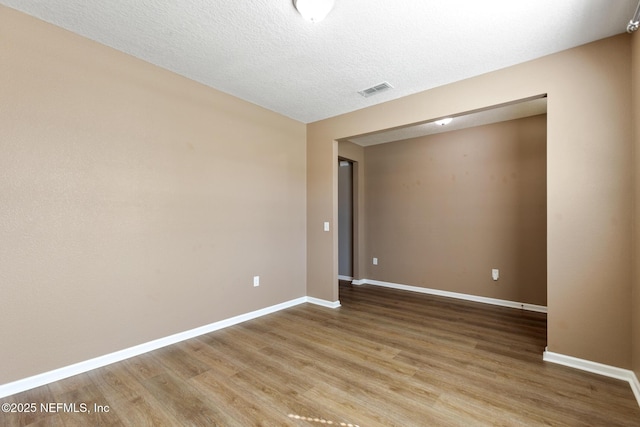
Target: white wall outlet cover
{"points": [[495, 274], [256, 280], [326, 226], [375, 261]]}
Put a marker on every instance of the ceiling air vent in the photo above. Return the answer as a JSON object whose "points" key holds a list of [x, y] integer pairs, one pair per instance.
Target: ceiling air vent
{"points": [[381, 87]]}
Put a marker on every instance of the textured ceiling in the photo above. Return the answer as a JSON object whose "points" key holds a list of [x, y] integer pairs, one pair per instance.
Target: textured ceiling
{"points": [[264, 52]]}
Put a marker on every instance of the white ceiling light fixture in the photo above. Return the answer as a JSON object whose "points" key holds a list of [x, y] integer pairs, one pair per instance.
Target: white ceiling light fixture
{"points": [[634, 24], [314, 10], [443, 122]]}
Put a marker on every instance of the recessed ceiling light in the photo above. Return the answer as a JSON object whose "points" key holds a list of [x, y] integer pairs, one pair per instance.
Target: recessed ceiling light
{"points": [[314, 10], [443, 121]]}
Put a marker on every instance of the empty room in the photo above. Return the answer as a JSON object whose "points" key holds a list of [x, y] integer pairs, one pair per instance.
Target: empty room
{"points": [[171, 216]]}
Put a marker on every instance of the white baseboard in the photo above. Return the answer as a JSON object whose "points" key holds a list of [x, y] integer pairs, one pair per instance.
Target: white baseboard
{"points": [[467, 297], [341, 277], [100, 361], [324, 303], [595, 368], [635, 387]]}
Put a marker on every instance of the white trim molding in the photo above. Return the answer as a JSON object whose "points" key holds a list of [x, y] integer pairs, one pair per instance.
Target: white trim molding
{"points": [[635, 387], [467, 297], [341, 277], [595, 368], [323, 303], [107, 359]]}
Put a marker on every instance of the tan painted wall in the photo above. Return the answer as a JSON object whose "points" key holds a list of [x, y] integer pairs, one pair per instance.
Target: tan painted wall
{"points": [[589, 197], [445, 209], [134, 203], [322, 206], [635, 300]]}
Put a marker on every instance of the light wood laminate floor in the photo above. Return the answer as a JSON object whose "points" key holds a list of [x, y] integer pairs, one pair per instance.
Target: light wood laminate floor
{"points": [[385, 358]]}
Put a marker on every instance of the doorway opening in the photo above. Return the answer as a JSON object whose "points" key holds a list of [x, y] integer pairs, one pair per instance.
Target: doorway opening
{"points": [[346, 219], [483, 189]]}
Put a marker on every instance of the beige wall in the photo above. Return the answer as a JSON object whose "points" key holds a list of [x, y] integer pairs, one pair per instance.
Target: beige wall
{"points": [[589, 194], [134, 203], [635, 300], [445, 209], [322, 206]]}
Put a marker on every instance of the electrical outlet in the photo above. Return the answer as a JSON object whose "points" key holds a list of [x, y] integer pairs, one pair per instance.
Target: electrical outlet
{"points": [[495, 274], [256, 281], [375, 261]]}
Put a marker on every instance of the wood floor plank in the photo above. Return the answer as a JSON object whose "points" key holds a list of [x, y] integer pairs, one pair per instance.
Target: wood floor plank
{"points": [[337, 346], [179, 362], [270, 374], [144, 366], [186, 406], [237, 404], [209, 356], [54, 421], [385, 357], [375, 387], [284, 404], [90, 396], [128, 397], [30, 415]]}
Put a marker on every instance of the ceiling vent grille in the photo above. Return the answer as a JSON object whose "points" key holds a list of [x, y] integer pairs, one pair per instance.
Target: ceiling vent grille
{"points": [[381, 87]]}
